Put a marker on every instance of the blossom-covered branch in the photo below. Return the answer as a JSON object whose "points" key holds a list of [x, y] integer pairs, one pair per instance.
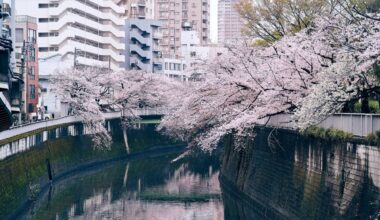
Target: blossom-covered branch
{"points": [[311, 73], [92, 91]]}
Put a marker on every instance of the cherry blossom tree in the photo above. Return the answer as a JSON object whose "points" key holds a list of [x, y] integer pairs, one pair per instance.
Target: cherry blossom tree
{"points": [[311, 73], [92, 91]]}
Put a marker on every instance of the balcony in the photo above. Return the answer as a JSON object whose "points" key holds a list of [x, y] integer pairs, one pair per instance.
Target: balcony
{"points": [[6, 9], [141, 3], [157, 35], [156, 48]]}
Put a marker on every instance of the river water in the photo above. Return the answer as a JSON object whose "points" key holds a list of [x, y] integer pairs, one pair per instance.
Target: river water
{"points": [[148, 188]]}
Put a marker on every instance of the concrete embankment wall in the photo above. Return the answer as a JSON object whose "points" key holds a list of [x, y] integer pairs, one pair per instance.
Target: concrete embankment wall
{"points": [[50, 155], [287, 176]]}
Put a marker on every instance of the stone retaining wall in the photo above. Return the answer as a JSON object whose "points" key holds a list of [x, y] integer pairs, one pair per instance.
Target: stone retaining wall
{"points": [[303, 178]]}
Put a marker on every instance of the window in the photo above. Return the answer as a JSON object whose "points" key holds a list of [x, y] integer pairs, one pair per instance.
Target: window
{"points": [[32, 92], [43, 49], [43, 5], [43, 89], [31, 107], [19, 35], [32, 54], [32, 36], [31, 73], [43, 20], [53, 19], [43, 34]]}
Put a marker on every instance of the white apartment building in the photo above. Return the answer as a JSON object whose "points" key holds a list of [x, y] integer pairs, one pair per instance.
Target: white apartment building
{"points": [[82, 32], [192, 53], [141, 9]]}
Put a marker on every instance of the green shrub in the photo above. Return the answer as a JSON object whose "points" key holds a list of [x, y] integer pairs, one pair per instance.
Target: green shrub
{"points": [[330, 134], [373, 106], [374, 138]]}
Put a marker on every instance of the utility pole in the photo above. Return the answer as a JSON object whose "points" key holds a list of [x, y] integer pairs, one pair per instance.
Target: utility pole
{"points": [[22, 72]]}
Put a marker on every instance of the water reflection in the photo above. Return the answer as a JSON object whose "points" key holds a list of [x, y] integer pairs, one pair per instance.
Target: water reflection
{"points": [[151, 188]]}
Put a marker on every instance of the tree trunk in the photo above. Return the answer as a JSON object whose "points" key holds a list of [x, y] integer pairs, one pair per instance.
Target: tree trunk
{"points": [[365, 104], [349, 107]]}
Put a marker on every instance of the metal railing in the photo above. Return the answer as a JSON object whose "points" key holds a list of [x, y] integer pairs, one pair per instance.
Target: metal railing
{"points": [[358, 124]]}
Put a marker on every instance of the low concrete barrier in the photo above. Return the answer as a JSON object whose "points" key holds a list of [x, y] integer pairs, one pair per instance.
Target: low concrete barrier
{"points": [[14, 131]]}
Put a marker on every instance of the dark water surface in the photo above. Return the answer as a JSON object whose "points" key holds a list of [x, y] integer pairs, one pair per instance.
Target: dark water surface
{"points": [[151, 188]]}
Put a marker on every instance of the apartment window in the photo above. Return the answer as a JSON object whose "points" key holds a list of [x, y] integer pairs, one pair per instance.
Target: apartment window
{"points": [[32, 35], [43, 49], [32, 92], [43, 20], [53, 48], [166, 65], [19, 35], [30, 107], [32, 54], [44, 34], [31, 73], [43, 5], [193, 53]]}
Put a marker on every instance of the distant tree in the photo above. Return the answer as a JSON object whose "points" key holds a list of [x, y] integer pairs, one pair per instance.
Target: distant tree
{"points": [[270, 20]]}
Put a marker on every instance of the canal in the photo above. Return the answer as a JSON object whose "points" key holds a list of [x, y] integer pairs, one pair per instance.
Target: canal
{"points": [[57, 174]]}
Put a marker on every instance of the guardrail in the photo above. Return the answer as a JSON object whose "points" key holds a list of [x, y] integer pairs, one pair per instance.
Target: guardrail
{"points": [[358, 124], [21, 129]]}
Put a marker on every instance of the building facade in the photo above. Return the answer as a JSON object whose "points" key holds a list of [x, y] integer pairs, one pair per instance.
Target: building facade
{"points": [[178, 14], [10, 82], [192, 53], [141, 9], [230, 23], [26, 50], [142, 49], [86, 32]]}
